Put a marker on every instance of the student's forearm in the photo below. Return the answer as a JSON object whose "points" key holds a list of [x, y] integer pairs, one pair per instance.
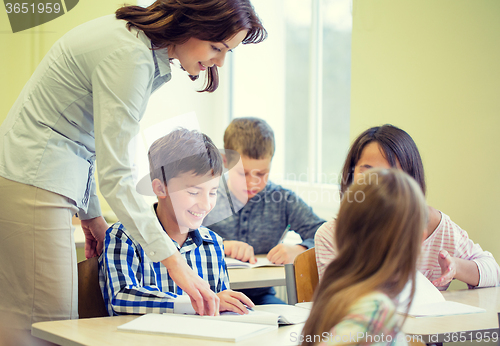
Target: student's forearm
{"points": [[308, 243], [489, 271], [147, 299], [467, 271]]}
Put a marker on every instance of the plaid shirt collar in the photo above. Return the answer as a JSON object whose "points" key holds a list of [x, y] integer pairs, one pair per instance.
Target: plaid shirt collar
{"points": [[195, 237]]}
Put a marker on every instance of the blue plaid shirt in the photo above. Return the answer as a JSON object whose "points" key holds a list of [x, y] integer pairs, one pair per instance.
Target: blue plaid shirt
{"points": [[133, 284]]}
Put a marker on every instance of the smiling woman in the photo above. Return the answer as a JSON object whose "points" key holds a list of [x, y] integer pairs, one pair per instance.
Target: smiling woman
{"points": [[196, 55], [82, 106], [171, 23]]}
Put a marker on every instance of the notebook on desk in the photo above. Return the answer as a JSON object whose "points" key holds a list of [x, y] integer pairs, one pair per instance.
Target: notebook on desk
{"points": [[267, 314], [195, 327], [273, 314], [261, 262], [287, 314]]}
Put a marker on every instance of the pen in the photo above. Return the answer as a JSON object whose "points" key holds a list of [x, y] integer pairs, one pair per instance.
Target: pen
{"points": [[284, 234]]}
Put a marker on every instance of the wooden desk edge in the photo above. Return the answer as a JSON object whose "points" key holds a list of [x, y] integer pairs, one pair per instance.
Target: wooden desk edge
{"points": [[38, 332], [242, 278], [259, 284], [76, 333]]}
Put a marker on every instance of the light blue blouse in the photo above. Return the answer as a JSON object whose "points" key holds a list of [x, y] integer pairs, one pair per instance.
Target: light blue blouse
{"points": [[83, 105]]}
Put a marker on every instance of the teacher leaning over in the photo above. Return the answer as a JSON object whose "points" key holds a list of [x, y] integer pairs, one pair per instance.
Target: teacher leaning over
{"points": [[80, 110]]}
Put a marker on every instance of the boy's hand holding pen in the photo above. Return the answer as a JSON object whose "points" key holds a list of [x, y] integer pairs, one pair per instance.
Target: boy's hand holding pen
{"points": [[285, 232], [283, 254]]}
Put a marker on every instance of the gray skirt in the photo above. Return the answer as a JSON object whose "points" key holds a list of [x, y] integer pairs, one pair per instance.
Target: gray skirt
{"points": [[38, 277]]}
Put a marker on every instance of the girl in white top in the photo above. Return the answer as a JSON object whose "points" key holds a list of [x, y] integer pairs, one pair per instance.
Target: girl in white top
{"points": [[82, 106], [447, 252]]}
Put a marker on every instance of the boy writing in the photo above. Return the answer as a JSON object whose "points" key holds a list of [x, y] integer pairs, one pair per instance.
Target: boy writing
{"points": [[260, 210], [185, 167]]}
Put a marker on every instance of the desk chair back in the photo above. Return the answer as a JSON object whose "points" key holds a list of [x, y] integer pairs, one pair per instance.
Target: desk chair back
{"points": [[302, 277], [90, 301]]}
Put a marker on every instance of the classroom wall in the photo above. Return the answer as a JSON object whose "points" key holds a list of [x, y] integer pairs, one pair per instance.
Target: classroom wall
{"points": [[23, 51], [432, 68]]}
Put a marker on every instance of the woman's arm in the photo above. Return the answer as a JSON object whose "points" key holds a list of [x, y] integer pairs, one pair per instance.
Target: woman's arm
{"points": [[94, 230], [121, 86]]}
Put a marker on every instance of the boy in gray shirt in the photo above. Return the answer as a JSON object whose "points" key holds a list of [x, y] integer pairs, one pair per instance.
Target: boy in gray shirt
{"points": [[255, 211]]}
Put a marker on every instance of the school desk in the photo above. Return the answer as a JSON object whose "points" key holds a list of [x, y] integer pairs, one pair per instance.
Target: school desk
{"points": [[256, 277], [458, 328], [102, 331]]}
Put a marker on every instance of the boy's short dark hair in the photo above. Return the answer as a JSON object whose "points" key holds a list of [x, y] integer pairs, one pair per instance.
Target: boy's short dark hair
{"points": [[183, 151], [249, 136]]}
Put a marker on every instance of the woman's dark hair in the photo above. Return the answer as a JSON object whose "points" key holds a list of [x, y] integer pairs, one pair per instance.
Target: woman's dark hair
{"points": [[168, 22], [397, 146]]}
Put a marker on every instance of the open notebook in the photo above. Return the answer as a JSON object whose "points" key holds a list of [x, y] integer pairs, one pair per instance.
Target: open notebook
{"points": [[192, 327], [288, 314], [428, 301], [267, 314], [273, 314], [261, 262]]}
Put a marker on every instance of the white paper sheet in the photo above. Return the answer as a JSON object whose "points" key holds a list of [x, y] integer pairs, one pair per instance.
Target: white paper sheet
{"points": [[190, 327], [429, 301]]}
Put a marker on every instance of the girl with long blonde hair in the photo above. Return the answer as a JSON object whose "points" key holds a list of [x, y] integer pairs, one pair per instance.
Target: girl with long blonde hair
{"points": [[379, 231]]}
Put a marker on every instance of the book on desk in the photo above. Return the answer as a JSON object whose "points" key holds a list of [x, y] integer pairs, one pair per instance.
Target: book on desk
{"points": [[228, 326], [232, 263], [275, 314], [192, 327]]}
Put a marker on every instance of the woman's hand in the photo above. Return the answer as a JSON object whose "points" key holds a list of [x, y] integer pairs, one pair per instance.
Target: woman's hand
{"points": [[204, 301], [94, 230], [239, 250], [234, 301]]}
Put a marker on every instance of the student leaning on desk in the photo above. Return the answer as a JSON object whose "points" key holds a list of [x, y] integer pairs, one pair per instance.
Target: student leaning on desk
{"points": [[83, 104], [185, 171], [447, 251], [254, 211]]}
